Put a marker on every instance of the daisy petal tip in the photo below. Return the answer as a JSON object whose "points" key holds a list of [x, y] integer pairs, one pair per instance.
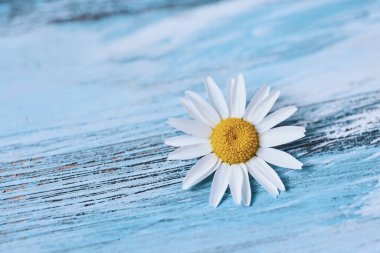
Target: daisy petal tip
{"points": [[210, 84], [292, 109], [171, 157], [265, 88], [299, 166], [238, 203], [214, 204], [188, 93], [182, 101], [184, 98]]}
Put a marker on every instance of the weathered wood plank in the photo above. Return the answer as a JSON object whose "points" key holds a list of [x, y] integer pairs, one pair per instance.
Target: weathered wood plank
{"points": [[84, 98]]}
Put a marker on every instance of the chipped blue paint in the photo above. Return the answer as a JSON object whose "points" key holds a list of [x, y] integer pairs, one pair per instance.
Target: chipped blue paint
{"points": [[85, 91]]}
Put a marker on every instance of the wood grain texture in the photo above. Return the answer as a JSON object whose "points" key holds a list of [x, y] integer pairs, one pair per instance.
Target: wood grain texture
{"points": [[85, 92]]}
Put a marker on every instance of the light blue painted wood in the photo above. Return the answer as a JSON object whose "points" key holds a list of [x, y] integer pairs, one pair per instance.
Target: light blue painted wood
{"points": [[85, 91]]}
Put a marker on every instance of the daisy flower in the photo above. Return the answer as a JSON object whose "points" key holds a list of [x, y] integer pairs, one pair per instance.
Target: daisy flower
{"points": [[234, 140]]}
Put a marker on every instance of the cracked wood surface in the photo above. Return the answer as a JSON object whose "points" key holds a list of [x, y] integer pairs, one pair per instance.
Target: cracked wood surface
{"points": [[85, 92]]}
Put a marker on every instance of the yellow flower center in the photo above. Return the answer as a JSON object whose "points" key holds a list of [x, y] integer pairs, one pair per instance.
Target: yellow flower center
{"points": [[234, 140]]}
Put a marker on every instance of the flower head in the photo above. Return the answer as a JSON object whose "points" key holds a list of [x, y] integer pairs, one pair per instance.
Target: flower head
{"points": [[234, 140]]}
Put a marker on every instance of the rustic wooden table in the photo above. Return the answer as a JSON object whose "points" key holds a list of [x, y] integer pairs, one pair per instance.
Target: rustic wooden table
{"points": [[85, 91]]}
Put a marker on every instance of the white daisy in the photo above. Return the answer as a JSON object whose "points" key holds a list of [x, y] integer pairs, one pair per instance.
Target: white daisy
{"points": [[234, 140]]}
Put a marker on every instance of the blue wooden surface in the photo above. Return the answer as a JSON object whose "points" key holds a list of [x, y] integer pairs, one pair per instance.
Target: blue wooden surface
{"points": [[85, 91]]}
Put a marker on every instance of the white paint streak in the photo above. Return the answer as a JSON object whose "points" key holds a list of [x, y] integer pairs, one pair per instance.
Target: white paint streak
{"points": [[370, 204], [166, 35]]}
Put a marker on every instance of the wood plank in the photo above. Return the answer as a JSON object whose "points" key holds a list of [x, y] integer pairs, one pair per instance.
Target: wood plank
{"points": [[84, 98]]}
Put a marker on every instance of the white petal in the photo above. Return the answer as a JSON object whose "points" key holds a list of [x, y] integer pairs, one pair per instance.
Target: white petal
{"points": [[236, 182], [279, 158], [268, 172], [275, 118], [192, 127], [216, 97], [259, 177], [194, 112], [219, 184], [239, 97], [246, 191], [263, 108], [204, 107], [185, 140], [259, 96], [281, 135], [202, 169], [190, 152], [230, 91]]}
